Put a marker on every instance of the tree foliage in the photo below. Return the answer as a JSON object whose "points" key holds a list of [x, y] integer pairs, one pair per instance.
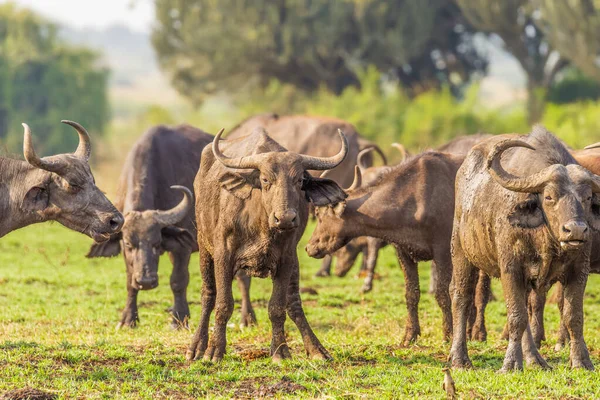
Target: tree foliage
{"points": [[573, 28], [42, 81], [208, 46], [512, 22]]}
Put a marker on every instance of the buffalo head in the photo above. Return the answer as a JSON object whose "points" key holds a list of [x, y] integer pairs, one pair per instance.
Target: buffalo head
{"points": [[282, 179], [561, 196], [333, 231], [147, 234], [68, 194]]}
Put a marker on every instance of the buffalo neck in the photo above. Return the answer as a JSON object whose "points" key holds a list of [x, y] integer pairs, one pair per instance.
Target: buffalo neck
{"points": [[17, 178]]}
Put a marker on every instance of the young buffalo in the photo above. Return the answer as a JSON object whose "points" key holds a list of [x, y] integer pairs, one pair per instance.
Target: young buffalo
{"points": [[251, 215], [410, 207]]}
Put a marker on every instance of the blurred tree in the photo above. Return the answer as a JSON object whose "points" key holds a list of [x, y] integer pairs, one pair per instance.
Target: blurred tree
{"points": [[573, 86], [207, 46], [573, 28], [43, 81], [512, 22]]}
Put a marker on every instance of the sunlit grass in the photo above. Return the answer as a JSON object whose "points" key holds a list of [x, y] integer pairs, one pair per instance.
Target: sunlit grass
{"points": [[58, 312]]}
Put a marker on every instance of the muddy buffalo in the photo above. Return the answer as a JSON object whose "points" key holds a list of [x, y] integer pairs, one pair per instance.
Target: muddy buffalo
{"points": [[523, 213], [55, 188], [410, 207], [155, 196], [251, 215]]}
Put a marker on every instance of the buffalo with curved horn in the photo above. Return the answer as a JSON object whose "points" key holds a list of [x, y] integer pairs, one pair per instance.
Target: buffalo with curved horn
{"points": [[523, 214], [252, 213], [158, 219]]}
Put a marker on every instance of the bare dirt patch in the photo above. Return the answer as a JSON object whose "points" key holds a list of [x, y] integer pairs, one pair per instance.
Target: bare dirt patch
{"points": [[249, 390], [28, 394]]}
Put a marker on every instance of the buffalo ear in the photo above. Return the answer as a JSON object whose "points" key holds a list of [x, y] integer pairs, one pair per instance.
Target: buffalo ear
{"points": [[174, 238], [110, 248], [322, 191], [240, 184], [527, 214], [36, 199]]}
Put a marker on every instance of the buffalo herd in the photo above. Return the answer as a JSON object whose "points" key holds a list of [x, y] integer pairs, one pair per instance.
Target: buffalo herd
{"points": [[521, 208]]}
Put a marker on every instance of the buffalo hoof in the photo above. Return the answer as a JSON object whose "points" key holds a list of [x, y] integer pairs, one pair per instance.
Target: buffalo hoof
{"points": [[322, 273], [177, 325], [282, 353], [366, 288], [213, 354], [536, 360], [479, 335], [582, 363], [410, 336], [127, 322], [247, 320], [511, 365], [461, 361], [320, 354]]}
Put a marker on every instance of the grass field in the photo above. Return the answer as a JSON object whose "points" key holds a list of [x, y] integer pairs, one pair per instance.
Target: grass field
{"points": [[58, 313]]}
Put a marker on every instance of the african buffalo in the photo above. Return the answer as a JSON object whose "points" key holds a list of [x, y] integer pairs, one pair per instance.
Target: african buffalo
{"points": [[55, 188], [251, 215], [528, 231], [157, 220], [410, 207]]}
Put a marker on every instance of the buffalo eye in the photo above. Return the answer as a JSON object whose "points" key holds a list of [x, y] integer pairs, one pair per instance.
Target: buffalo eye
{"points": [[264, 181], [75, 188], [549, 198], [127, 245]]}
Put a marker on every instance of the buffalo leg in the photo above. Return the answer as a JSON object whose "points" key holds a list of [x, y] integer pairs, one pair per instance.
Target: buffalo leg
{"points": [[129, 317], [312, 345], [573, 316], [325, 266], [277, 314], [180, 279], [535, 307], [464, 279], [209, 291], [412, 294], [370, 254], [248, 315], [432, 279], [515, 293], [530, 350], [223, 309], [482, 298], [443, 265], [563, 333]]}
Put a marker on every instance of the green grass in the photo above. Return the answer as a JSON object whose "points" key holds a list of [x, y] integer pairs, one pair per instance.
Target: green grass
{"points": [[58, 313]]}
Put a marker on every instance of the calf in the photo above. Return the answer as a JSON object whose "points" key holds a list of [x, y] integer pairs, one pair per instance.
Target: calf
{"points": [[410, 207]]}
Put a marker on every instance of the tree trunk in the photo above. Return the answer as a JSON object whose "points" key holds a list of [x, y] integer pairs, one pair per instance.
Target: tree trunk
{"points": [[536, 101]]}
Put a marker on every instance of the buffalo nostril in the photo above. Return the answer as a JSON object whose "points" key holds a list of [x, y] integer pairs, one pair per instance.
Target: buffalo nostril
{"points": [[114, 224], [276, 219], [566, 230]]}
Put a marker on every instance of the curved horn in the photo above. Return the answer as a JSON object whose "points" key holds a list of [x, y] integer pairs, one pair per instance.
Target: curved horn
{"points": [[359, 158], [401, 149], [323, 163], [380, 152], [33, 159], [247, 162], [177, 213], [357, 179], [84, 149], [592, 146], [531, 184]]}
